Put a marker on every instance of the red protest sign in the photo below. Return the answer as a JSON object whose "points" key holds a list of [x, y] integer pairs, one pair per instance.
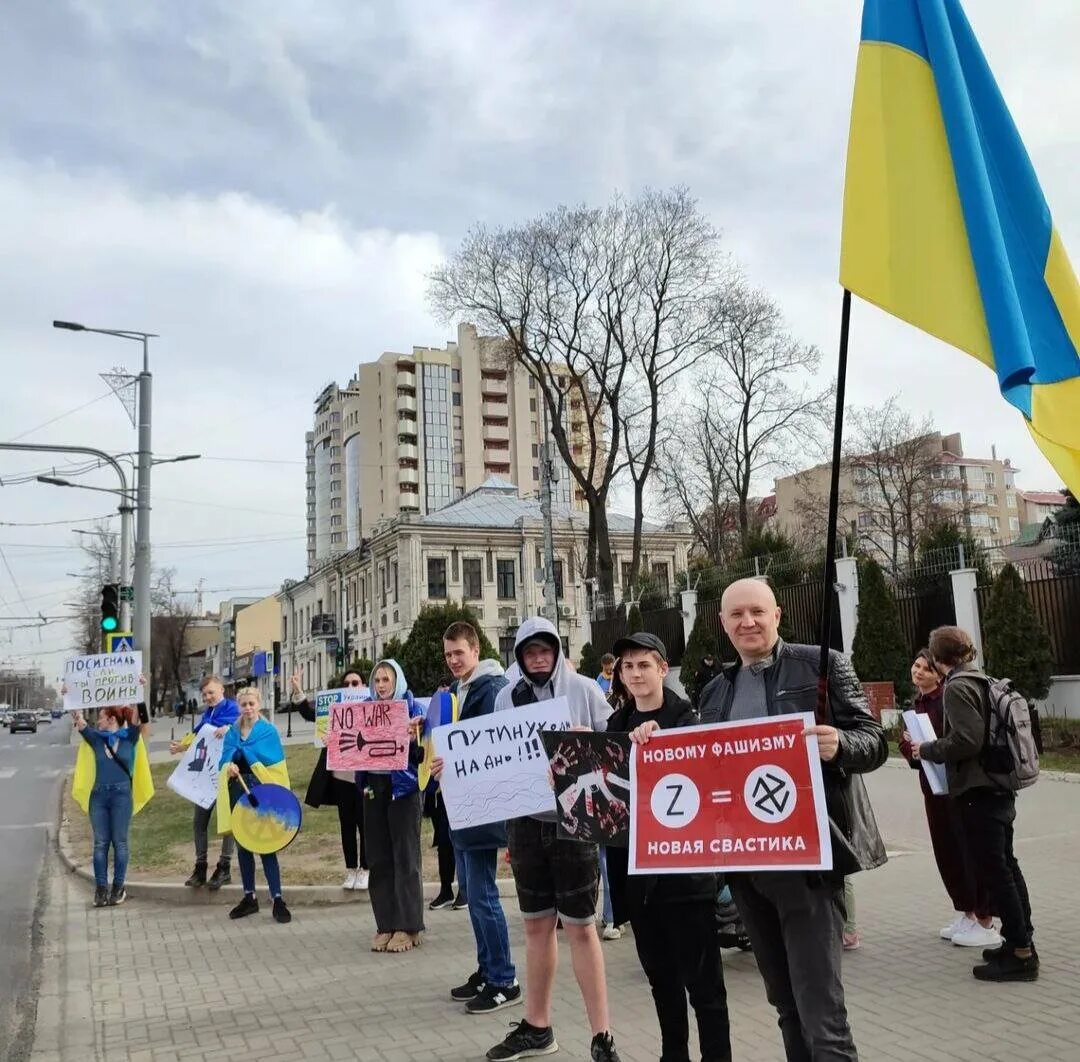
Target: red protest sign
{"points": [[368, 736], [734, 796]]}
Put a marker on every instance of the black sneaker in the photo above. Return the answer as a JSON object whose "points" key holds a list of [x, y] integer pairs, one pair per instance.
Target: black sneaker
{"points": [[469, 990], [117, 896], [101, 896], [1008, 966], [993, 954], [444, 899], [524, 1041], [281, 913], [221, 876], [198, 877], [247, 906], [602, 1048], [492, 998], [460, 903]]}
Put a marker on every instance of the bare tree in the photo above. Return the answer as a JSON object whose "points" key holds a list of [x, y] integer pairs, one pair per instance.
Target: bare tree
{"points": [[751, 412], [603, 308], [100, 548], [171, 622]]}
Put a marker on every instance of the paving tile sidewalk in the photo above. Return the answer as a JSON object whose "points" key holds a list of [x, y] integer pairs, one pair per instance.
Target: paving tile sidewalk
{"points": [[160, 983]]}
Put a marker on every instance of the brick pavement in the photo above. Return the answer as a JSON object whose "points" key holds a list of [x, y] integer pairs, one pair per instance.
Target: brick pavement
{"points": [[150, 983]]}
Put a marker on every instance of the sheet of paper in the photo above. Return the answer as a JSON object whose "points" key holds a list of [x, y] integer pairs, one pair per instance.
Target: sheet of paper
{"points": [[919, 726]]}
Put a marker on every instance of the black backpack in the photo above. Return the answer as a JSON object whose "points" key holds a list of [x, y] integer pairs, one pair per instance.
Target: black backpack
{"points": [[1010, 752]]}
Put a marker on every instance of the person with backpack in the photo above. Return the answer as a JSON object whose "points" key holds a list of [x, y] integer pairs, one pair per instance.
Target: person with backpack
{"points": [[987, 757]]}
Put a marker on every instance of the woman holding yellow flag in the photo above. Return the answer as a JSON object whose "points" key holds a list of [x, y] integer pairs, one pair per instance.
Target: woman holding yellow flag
{"points": [[111, 783], [252, 754]]}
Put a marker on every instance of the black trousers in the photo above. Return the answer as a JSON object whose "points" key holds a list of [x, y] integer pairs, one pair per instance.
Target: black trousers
{"points": [[679, 949], [795, 922], [988, 816], [350, 813]]}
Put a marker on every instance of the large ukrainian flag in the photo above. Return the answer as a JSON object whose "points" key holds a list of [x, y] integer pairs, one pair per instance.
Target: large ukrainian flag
{"points": [[945, 224]]}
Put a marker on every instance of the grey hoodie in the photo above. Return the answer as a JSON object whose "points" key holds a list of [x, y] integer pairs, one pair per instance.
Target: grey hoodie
{"points": [[587, 704]]}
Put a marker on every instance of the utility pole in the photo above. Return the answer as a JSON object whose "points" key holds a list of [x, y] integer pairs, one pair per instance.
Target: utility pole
{"points": [[142, 511]]}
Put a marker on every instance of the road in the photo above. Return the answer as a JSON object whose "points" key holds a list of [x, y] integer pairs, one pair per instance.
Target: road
{"points": [[30, 768]]}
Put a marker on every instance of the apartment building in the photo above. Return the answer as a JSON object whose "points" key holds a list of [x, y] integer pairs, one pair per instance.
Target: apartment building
{"points": [[1039, 504], [485, 548], [978, 493], [411, 433]]}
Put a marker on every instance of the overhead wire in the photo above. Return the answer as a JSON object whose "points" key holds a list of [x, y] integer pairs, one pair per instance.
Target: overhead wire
{"points": [[59, 416]]}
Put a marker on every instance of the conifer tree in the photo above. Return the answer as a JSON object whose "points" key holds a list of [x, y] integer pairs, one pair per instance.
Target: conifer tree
{"points": [[633, 620], [589, 665], [1015, 642], [702, 641], [880, 651], [422, 654]]}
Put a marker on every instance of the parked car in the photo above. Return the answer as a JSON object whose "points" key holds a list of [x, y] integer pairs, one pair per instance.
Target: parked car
{"points": [[23, 720], [56, 713]]}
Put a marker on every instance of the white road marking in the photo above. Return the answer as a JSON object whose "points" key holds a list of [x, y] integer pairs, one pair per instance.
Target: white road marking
{"points": [[28, 826], [10, 773]]}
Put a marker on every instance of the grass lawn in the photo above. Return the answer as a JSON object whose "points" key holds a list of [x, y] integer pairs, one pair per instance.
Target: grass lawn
{"points": [[161, 845]]}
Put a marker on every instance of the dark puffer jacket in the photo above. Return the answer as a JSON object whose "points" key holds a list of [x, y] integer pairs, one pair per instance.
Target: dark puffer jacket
{"points": [[791, 686]]}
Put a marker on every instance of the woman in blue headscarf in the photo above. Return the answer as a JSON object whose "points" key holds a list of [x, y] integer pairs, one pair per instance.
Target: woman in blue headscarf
{"points": [[392, 810]]}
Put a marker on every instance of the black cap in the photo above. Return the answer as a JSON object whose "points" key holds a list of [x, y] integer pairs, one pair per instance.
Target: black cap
{"points": [[641, 640]]}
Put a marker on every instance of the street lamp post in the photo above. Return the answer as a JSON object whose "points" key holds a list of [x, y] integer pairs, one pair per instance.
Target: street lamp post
{"points": [[142, 487]]}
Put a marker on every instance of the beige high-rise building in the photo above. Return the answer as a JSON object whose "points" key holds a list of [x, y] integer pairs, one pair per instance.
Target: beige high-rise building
{"points": [[411, 433], [979, 493]]}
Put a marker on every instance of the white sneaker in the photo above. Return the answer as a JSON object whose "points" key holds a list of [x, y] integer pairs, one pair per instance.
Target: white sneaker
{"points": [[361, 880], [961, 921], [976, 936], [350, 879], [609, 932]]}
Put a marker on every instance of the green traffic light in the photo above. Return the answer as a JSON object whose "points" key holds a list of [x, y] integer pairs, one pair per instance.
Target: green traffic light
{"points": [[109, 623]]}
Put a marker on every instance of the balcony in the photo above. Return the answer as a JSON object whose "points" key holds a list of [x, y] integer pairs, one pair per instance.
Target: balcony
{"points": [[408, 452], [496, 433], [408, 475], [495, 409], [406, 427], [490, 385], [406, 380], [405, 403], [323, 626], [496, 456], [409, 502]]}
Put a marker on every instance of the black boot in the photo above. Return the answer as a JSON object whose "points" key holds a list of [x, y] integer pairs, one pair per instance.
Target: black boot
{"points": [[221, 876], [198, 877]]}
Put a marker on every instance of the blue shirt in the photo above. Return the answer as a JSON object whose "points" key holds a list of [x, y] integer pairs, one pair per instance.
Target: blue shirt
{"points": [[603, 683], [224, 713], [122, 744]]}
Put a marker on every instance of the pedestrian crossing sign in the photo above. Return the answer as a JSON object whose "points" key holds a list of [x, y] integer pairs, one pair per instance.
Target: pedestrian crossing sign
{"points": [[119, 642]]}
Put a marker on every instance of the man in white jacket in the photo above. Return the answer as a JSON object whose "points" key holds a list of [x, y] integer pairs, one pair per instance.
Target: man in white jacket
{"points": [[555, 879]]}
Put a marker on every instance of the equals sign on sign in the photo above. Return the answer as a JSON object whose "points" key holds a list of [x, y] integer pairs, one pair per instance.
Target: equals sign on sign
{"points": [[721, 796]]}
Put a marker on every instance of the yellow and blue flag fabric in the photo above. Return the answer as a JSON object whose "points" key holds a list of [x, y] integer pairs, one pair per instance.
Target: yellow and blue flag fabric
{"points": [[442, 709], [265, 755], [82, 781], [945, 224]]}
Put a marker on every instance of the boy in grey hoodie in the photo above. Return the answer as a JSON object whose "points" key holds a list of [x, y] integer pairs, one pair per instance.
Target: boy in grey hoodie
{"points": [[555, 879]]}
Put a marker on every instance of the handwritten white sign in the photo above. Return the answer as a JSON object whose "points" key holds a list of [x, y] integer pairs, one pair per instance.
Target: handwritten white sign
{"points": [[495, 767], [196, 775], [107, 680]]}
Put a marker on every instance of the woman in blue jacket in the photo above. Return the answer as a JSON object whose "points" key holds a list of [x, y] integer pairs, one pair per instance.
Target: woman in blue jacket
{"points": [[392, 810]]}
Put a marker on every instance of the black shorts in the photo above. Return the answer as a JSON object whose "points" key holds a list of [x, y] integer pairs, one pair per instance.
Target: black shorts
{"points": [[553, 876]]}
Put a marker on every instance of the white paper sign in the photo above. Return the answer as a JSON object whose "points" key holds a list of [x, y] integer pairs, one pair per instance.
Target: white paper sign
{"points": [[918, 725], [325, 700], [107, 680], [196, 775], [495, 767]]}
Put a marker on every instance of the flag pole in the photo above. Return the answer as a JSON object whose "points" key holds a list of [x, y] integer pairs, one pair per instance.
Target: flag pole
{"points": [[829, 584]]}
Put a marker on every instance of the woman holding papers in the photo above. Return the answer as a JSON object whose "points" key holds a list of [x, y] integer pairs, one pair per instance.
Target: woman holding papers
{"points": [[972, 927], [253, 753], [337, 788], [111, 783], [392, 811]]}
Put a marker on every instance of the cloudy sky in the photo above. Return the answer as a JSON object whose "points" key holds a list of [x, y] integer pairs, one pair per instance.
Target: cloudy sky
{"points": [[266, 184]]}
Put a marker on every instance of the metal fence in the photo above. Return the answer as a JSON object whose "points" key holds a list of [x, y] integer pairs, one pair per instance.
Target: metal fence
{"points": [[922, 608], [665, 623], [1056, 600]]}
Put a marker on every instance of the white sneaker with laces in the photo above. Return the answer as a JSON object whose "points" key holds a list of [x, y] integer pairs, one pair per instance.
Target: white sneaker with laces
{"points": [[361, 880], [350, 879], [961, 921], [609, 932], [977, 936]]}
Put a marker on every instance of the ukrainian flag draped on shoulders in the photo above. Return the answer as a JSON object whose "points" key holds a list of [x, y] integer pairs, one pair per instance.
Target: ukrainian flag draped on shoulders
{"points": [[82, 781], [945, 224], [264, 753]]}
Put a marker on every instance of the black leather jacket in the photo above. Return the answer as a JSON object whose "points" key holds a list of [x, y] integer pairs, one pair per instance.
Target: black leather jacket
{"points": [[791, 686]]}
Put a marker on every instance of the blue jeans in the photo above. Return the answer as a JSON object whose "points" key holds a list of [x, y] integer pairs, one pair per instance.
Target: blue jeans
{"points": [[609, 916], [476, 877], [110, 818], [270, 869]]}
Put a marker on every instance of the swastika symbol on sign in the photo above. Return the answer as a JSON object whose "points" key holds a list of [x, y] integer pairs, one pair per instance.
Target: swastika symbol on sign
{"points": [[770, 793]]}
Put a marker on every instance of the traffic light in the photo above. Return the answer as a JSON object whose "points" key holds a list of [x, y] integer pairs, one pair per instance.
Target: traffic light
{"points": [[110, 608], [341, 657]]}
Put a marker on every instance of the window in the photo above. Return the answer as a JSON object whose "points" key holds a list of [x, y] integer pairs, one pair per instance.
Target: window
{"points": [[558, 578], [532, 383], [989, 479], [459, 469], [455, 375], [457, 398], [436, 577], [532, 405], [627, 568], [457, 422], [506, 582], [535, 450], [1014, 523], [660, 577], [395, 571], [472, 579], [1010, 500], [536, 474]]}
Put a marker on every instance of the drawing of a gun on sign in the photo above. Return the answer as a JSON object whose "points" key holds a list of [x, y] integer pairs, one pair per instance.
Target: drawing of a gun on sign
{"points": [[592, 785], [368, 736]]}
